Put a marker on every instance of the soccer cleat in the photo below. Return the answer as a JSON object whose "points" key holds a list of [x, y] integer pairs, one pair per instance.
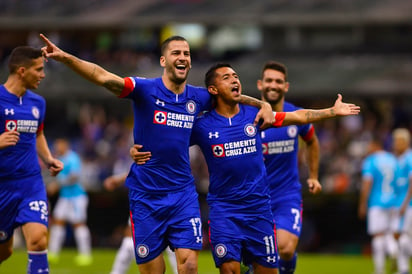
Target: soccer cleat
{"points": [[53, 258], [83, 260]]}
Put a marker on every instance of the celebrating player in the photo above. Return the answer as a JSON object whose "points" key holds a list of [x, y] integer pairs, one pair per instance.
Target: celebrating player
{"points": [[240, 219], [22, 191], [282, 165], [163, 200]]}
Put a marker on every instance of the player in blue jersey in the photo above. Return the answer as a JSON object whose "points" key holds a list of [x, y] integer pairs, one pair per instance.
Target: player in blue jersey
{"points": [[71, 206], [22, 191], [163, 200], [280, 150], [240, 218], [376, 201], [401, 147]]}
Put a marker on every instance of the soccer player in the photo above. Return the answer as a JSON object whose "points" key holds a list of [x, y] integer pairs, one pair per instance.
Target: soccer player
{"points": [[401, 148], [280, 150], [22, 191], [376, 201], [71, 207], [162, 196], [240, 218]]}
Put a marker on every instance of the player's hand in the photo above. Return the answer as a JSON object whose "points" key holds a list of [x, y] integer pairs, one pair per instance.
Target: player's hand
{"points": [[113, 182], [314, 186], [9, 138], [55, 166], [51, 50], [343, 109], [139, 157], [266, 115]]}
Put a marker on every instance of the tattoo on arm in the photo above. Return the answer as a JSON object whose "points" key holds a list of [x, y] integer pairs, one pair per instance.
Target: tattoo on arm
{"points": [[94, 70], [247, 100], [314, 115], [114, 86], [67, 61]]}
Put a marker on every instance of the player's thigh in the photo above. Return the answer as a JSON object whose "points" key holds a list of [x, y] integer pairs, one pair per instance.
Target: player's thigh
{"points": [[260, 269], [155, 266], [286, 241], [378, 220]]}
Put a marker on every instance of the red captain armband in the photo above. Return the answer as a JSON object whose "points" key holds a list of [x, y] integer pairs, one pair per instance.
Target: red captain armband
{"points": [[40, 128], [128, 87], [279, 118]]}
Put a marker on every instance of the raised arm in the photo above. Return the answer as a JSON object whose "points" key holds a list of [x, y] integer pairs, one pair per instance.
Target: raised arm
{"points": [[87, 70], [305, 116]]}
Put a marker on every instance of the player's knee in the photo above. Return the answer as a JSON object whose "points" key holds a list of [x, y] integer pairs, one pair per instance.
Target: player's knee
{"points": [[37, 242], [189, 266], [287, 252]]}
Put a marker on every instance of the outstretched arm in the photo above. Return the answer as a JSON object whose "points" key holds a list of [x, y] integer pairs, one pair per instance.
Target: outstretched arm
{"points": [[87, 70], [305, 116]]}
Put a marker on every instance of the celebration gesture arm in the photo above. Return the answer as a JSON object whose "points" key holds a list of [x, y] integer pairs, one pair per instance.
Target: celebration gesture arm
{"points": [[90, 71]]}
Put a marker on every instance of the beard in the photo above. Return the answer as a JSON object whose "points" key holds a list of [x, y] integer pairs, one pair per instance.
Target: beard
{"points": [[273, 100]]}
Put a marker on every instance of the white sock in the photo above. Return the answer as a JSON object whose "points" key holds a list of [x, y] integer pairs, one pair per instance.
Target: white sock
{"points": [[404, 253], [57, 236], [171, 256], [83, 239], [378, 253], [124, 256], [391, 245]]}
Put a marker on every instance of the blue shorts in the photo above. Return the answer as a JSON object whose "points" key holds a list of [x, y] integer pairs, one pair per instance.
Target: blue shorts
{"points": [[161, 220], [22, 201], [288, 214], [244, 238]]}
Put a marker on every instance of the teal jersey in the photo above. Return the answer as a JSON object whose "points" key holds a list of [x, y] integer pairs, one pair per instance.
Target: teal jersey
{"points": [[72, 166], [381, 168], [403, 178]]}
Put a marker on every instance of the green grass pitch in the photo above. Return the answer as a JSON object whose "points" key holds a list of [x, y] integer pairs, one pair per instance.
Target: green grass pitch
{"points": [[103, 259]]}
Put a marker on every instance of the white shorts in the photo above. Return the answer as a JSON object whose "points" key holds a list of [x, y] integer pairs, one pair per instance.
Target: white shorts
{"points": [[382, 220], [407, 222], [72, 210]]}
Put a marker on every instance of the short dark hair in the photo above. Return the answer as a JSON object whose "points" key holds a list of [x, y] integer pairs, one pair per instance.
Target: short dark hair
{"points": [[166, 42], [276, 66], [23, 56], [211, 73]]}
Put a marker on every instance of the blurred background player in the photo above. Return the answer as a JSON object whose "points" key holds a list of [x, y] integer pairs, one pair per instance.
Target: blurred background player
{"points": [[22, 192], [376, 201], [401, 148], [125, 254], [71, 207], [280, 150]]}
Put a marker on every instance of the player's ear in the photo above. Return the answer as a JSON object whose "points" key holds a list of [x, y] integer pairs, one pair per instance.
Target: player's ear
{"points": [[286, 87], [212, 90], [259, 84], [162, 61]]}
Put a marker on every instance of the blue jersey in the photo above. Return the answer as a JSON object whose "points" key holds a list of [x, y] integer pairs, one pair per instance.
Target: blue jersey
{"points": [[404, 177], [24, 114], [233, 151], [72, 166], [381, 168], [163, 123], [280, 151]]}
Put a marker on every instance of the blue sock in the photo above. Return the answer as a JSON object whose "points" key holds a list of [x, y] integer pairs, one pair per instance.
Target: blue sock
{"points": [[288, 267], [37, 262]]}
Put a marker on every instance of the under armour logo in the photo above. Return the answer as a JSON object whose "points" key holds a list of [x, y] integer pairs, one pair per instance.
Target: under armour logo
{"points": [[271, 259], [161, 103], [199, 239], [211, 135], [9, 111]]}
